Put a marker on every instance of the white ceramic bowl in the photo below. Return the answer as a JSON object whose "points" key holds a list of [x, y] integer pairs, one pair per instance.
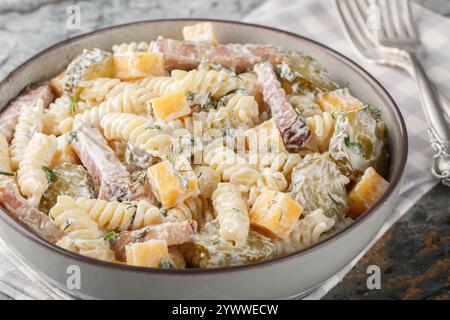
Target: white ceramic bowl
{"points": [[285, 277]]}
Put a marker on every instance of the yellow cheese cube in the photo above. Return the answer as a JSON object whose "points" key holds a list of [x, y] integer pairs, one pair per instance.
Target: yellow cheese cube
{"points": [[265, 138], [132, 65], [171, 107], [339, 100], [171, 187], [366, 192], [201, 32], [57, 84], [103, 69], [275, 212], [147, 254]]}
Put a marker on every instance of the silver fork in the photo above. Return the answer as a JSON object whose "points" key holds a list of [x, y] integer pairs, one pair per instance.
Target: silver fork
{"points": [[353, 19], [395, 42]]}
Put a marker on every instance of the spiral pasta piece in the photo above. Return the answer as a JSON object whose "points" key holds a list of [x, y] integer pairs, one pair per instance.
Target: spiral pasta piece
{"points": [[131, 100], [231, 167], [322, 128], [195, 208], [130, 47], [307, 232], [203, 121], [208, 179], [283, 162], [82, 233], [242, 109], [204, 82], [33, 174], [59, 117], [232, 213], [276, 172], [30, 121], [159, 86], [120, 216], [181, 212], [139, 130], [97, 90]]}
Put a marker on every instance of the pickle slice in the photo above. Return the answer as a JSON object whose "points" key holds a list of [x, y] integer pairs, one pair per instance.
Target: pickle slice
{"points": [[304, 73], [317, 183], [209, 250], [90, 64], [69, 180], [356, 143]]}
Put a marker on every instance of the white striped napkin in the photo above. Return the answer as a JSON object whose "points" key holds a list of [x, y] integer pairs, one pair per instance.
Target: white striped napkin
{"points": [[315, 19]]}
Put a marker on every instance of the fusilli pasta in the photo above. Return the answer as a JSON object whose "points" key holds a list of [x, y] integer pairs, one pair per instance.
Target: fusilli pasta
{"points": [[232, 213], [30, 121], [130, 100], [322, 128], [231, 167], [82, 233], [34, 175], [120, 216], [139, 130], [307, 232]]}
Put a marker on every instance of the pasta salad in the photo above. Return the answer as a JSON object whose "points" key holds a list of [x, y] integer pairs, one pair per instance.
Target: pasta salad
{"points": [[190, 153]]}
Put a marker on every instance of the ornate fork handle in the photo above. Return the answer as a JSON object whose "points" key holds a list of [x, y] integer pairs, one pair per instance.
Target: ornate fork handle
{"points": [[441, 163], [438, 127]]}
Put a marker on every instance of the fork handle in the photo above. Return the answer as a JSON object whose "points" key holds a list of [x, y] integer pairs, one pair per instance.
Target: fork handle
{"points": [[438, 127], [444, 102]]}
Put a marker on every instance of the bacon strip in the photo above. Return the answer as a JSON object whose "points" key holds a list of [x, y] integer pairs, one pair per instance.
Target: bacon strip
{"points": [[29, 97], [102, 164], [187, 55], [13, 202], [174, 233], [292, 126]]}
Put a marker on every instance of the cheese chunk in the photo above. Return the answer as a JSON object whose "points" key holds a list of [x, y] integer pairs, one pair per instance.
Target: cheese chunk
{"points": [[171, 187], [366, 192], [171, 107], [150, 253], [339, 100], [57, 84], [201, 32], [132, 65], [275, 212], [265, 138]]}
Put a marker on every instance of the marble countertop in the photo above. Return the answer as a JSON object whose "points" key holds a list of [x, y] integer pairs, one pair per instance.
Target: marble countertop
{"points": [[28, 26]]}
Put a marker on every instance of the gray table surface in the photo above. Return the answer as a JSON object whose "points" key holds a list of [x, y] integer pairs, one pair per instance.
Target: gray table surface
{"points": [[28, 26]]}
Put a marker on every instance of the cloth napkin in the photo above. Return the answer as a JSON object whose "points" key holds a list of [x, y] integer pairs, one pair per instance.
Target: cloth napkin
{"points": [[317, 20]]}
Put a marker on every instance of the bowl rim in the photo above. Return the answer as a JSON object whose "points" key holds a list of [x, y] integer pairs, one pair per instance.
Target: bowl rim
{"points": [[18, 226]]}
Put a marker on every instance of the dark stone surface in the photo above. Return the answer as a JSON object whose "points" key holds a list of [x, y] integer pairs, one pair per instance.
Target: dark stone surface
{"points": [[413, 256]]}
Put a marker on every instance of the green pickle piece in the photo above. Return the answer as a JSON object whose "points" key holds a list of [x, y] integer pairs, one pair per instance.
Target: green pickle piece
{"points": [[304, 72], [209, 250], [356, 143], [70, 180], [90, 64], [317, 183]]}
